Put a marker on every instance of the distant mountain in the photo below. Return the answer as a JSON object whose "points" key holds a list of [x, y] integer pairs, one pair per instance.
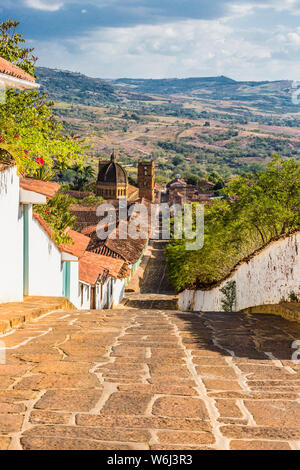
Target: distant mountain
{"points": [[74, 87], [266, 94], [62, 85], [168, 86]]}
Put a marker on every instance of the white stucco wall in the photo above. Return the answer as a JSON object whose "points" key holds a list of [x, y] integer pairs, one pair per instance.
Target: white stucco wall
{"points": [[104, 300], [45, 265], [118, 291], [84, 301], [11, 238], [272, 274], [75, 297], [104, 297]]}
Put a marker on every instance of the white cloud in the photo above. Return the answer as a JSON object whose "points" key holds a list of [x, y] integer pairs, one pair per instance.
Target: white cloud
{"points": [[185, 48], [43, 5], [238, 45]]}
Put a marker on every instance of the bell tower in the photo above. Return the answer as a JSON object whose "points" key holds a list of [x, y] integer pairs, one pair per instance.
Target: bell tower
{"points": [[146, 179]]}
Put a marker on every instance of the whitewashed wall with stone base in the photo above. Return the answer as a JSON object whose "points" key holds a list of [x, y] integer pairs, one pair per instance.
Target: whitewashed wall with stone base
{"points": [[268, 277]]}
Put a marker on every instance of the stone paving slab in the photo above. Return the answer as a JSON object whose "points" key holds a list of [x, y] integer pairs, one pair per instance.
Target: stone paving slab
{"points": [[111, 380]]}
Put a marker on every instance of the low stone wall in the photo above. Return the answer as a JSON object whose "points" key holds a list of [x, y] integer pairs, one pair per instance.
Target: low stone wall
{"points": [[265, 278]]}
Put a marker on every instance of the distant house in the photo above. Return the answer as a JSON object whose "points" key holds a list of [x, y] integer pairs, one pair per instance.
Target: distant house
{"points": [[129, 250], [101, 281]]}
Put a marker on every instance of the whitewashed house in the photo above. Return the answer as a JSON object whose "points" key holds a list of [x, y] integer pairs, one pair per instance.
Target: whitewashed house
{"points": [[101, 280], [17, 232], [31, 261]]}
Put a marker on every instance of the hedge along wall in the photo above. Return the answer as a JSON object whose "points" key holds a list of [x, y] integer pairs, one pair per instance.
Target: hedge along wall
{"points": [[267, 277]]}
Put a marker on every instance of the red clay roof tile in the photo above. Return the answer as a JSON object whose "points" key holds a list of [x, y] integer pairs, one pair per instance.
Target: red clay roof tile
{"points": [[8, 68], [80, 243], [47, 188], [92, 265]]}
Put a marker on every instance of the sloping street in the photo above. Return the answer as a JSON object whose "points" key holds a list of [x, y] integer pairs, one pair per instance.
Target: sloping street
{"points": [[149, 377]]}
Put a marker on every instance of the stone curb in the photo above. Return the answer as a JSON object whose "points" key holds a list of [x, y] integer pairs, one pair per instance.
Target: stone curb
{"points": [[15, 314]]}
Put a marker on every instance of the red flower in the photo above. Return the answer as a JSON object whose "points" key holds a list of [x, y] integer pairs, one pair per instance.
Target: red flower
{"points": [[40, 161], [16, 136], [47, 212], [2, 140], [36, 123]]}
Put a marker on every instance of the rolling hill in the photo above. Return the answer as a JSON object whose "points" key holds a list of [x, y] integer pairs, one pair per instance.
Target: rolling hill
{"points": [[270, 97]]}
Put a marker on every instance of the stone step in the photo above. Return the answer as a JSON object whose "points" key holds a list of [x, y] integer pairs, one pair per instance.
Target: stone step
{"points": [[15, 314], [151, 301]]}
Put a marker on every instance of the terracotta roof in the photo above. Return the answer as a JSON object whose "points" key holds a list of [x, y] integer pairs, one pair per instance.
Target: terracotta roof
{"points": [[92, 265], [129, 249], [80, 243], [10, 69], [89, 229], [132, 189], [85, 216], [47, 188]]}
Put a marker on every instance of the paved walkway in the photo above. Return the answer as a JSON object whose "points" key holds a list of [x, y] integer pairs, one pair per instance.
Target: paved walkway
{"points": [[150, 378]]}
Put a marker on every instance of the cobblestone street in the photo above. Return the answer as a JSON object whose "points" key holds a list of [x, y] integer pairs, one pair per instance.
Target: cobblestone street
{"points": [[150, 378]]}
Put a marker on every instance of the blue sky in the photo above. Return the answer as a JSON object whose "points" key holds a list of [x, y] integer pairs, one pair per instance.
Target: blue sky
{"points": [[243, 39]]}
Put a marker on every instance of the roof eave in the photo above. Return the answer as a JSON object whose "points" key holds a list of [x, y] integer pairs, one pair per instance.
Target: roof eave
{"points": [[8, 81]]}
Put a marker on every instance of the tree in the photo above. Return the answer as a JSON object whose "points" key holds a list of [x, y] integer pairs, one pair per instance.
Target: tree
{"points": [[57, 215], [11, 49], [27, 126], [256, 209]]}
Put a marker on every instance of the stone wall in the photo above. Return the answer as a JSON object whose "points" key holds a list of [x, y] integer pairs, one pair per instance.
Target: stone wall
{"points": [[267, 277]]}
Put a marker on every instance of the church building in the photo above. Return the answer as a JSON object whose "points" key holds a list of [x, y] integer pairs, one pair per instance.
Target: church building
{"points": [[112, 182]]}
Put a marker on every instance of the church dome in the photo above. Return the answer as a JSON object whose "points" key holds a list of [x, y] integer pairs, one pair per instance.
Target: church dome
{"points": [[112, 172]]}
